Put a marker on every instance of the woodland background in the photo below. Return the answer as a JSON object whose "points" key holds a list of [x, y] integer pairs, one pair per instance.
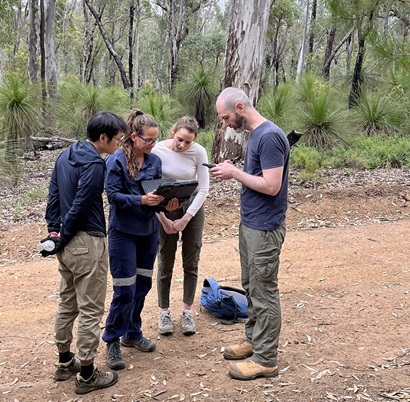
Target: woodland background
{"points": [[336, 71]]}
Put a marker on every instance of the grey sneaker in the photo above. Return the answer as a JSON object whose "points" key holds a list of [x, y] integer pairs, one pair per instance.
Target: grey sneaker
{"points": [[188, 323], [64, 371], [143, 344], [98, 380], [165, 326], [114, 358]]}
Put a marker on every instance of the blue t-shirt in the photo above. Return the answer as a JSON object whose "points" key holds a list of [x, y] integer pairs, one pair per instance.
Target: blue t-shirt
{"points": [[267, 148]]}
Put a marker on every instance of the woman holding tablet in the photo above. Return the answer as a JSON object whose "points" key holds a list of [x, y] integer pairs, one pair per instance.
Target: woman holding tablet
{"points": [[132, 235], [182, 159]]}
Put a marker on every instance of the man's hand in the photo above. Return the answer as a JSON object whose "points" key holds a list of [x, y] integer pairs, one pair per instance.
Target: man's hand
{"points": [[58, 245], [225, 170]]}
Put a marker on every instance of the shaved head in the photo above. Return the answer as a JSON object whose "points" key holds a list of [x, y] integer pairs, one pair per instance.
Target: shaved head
{"points": [[230, 96]]}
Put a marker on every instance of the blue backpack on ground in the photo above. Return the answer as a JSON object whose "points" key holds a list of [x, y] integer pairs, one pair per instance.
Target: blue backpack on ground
{"points": [[224, 302]]}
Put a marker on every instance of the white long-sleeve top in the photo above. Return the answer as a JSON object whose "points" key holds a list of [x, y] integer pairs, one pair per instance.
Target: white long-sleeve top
{"points": [[186, 165]]}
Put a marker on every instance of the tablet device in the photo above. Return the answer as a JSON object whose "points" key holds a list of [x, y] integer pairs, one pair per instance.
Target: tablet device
{"points": [[170, 188], [150, 185]]}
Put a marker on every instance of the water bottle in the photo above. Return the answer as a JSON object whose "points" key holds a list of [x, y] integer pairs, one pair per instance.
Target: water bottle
{"points": [[47, 245]]}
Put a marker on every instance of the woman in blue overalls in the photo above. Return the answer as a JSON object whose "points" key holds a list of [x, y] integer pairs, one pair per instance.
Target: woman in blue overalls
{"points": [[132, 235]]}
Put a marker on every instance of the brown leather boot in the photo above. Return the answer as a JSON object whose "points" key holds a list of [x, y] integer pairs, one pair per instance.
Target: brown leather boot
{"points": [[238, 352], [249, 370]]}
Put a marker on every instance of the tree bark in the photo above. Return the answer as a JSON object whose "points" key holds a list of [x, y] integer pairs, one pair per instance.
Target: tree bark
{"points": [[248, 22], [312, 34], [33, 41], [330, 57], [331, 34], [131, 49], [302, 52], [49, 49]]}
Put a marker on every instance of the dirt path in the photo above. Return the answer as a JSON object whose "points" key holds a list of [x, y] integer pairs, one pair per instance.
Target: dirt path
{"points": [[345, 334]]}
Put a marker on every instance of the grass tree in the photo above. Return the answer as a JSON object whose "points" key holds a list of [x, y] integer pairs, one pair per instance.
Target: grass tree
{"points": [[275, 105], [320, 117], [78, 102], [20, 117], [378, 114], [197, 93], [158, 106]]}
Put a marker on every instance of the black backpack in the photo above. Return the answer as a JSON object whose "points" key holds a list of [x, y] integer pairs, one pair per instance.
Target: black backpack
{"points": [[224, 302]]}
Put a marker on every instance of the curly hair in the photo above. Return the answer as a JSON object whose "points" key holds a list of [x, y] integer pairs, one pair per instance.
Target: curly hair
{"points": [[136, 121], [187, 122]]}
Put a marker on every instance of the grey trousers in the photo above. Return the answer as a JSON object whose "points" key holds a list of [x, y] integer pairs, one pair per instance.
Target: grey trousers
{"points": [[191, 238], [83, 269], [259, 256]]}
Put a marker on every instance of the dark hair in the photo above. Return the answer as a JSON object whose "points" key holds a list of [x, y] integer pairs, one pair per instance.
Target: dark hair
{"points": [[187, 122], [136, 121], [107, 123]]}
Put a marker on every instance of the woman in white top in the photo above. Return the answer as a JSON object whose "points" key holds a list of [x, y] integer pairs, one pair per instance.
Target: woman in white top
{"points": [[182, 159]]}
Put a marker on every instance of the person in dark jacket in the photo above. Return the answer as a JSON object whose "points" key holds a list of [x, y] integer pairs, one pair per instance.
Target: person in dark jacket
{"points": [[76, 224], [132, 235]]}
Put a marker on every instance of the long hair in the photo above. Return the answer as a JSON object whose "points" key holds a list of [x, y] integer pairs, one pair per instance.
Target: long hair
{"points": [[187, 122], [136, 121]]}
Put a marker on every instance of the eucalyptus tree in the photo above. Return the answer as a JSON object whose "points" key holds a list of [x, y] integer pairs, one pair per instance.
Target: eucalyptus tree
{"points": [[50, 61], [242, 67], [33, 67], [281, 20]]}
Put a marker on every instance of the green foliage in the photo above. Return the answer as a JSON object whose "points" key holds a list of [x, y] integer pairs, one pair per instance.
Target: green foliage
{"points": [[197, 94], [159, 107], [378, 114], [206, 139], [358, 153], [321, 118], [204, 49], [306, 158], [20, 116], [372, 152], [275, 106], [35, 195], [78, 102]]}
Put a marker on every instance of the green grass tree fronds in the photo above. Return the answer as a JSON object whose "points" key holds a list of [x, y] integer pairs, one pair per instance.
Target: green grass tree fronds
{"points": [[20, 117], [158, 106], [320, 117], [275, 105], [197, 93], [77, 102], [376, 114]]}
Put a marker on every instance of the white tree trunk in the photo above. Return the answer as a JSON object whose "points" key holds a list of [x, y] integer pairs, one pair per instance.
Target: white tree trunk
{"points": [[33, 41], [301, 61], [49, 48], [248, 22]]}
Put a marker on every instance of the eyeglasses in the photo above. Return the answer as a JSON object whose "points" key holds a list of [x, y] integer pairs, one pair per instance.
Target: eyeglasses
{"points": [[119, 139], [148, 141]]}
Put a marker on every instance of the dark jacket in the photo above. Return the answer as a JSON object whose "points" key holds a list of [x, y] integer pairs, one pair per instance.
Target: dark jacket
{"points": [[127, 214], [75, 193]]}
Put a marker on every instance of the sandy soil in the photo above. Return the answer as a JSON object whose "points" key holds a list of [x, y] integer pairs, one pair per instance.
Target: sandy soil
{"points": [[344, 281]]}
